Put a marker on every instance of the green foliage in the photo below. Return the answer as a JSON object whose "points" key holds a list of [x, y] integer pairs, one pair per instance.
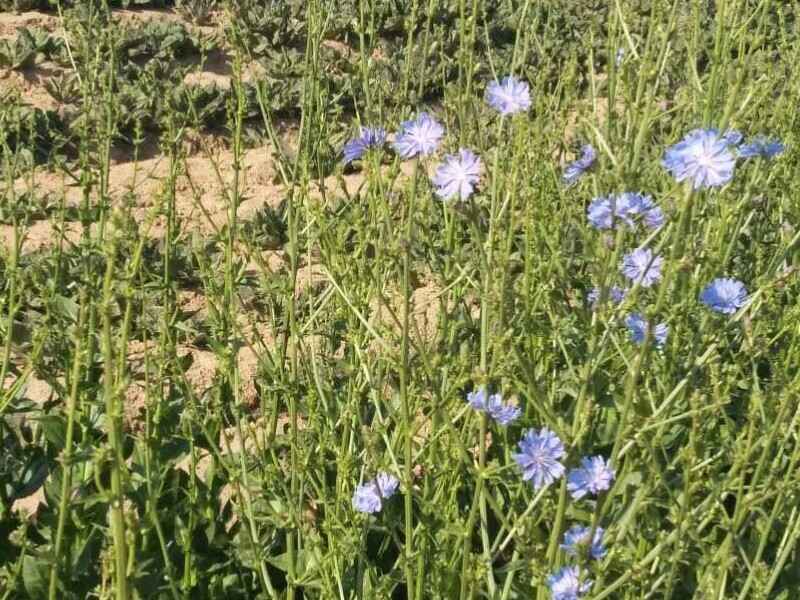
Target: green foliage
{"points": [[31, 133], [204, 338], [196, 11], [29, 47], [159, 40]]}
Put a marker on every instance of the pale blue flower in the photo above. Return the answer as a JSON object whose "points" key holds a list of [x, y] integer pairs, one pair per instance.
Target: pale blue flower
{"points": [[387, 484], [457, 175], [724, 295], [576, 169], [620, 56], [732, 137], [418, 137], [640, 206], [615, 294], [578, 535], [368, 137], [566, 584], [367, 499], [600, 213], [503, 413], [642, 266], [594, 476], [539, 456], [637, 325], [628, 208], [508, 96], [477, 399], [761, 146], [703, 157]]}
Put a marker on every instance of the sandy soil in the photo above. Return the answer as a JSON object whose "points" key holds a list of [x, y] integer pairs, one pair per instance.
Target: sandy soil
{"points": [[203, 180], [10, 22]]}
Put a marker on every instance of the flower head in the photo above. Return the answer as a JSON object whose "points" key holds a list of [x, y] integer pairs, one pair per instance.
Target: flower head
{"points": [[615, 294], [578, 535], [420, 136], [457, 175], [367, 499], [627, 208], [494, 406], [477, 399], [566, 584], [504, 414], [576, 169], [368, 137], [761, 146], [703, 157], [632, 206], [732, 137], [642, 266], [538, 457], [369, 496], [724, 295], [593, 476], [386, 484], [508, 96], [637, 325], [600, 213], [620, 56]]}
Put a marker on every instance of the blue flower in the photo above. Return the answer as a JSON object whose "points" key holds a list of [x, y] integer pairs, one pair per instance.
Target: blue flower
{"points": [[369, 497], [615, 293], [539, 457], [577, 536], [703, 157], [418, 137], [620, 56], [500, 412], [386, 484], [732, 137], [637, 325], [494, 406], [642, 266], [627, 208], [457, 175], [477, 399], [761, 146], [632, 205], [576, 169], [600, 213], [566, 584], [594, 475], [509, 96], [724, 295], [368, 137]]}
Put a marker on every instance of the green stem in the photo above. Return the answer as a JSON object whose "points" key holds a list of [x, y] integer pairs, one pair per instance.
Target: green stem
{"points": [[113, 417], [66, 461], [404, 376]]}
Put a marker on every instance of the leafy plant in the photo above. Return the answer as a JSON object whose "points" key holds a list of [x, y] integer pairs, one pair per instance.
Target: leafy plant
{"points": [[217, 338], [64, 87], [196, 11], [161, 40], [29, 47], [34, 133]]}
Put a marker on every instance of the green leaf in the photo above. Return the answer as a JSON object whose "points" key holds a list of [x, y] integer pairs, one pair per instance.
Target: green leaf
{"points": [[34, 576], [55, 430]]}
